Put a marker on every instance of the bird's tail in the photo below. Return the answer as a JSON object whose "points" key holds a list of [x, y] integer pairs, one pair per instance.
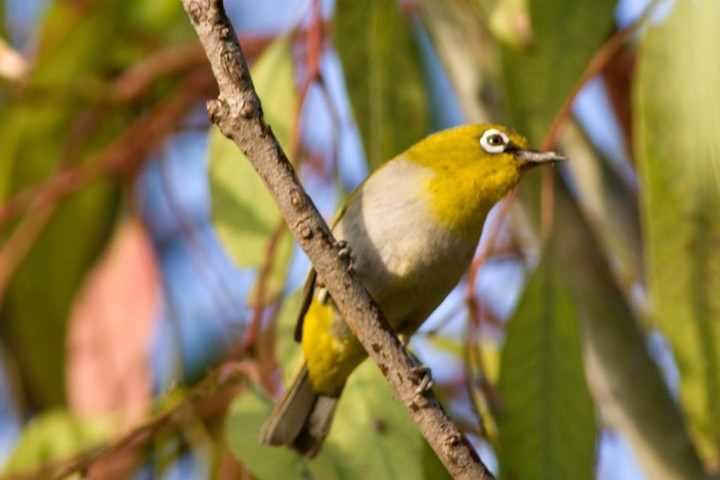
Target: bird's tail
{"points": [[301, 419]]}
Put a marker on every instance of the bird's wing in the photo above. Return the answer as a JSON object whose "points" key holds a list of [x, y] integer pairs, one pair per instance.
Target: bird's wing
{"points": [[309, 288], [306, 300]]}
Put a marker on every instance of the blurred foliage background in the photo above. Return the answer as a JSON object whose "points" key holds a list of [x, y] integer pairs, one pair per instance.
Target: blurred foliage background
{"points": [[147, 282]]}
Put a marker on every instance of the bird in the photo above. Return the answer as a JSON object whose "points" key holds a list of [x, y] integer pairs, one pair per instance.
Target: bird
{"points": [[412, 228]]}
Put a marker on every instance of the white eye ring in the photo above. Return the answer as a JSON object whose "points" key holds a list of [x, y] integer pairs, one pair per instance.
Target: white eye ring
{"points": [[494, 141]]}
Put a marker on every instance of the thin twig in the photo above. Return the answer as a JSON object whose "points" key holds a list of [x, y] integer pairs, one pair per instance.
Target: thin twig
{"points": [[200, 257], [238, 114], [124, 156], [128, 87], [206, 399], [596, 65], [261, 286], [474, 381], [492, 233], [314, 50]]}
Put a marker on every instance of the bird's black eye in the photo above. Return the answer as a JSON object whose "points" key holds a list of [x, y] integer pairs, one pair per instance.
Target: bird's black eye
{"points": [[494, 141]]}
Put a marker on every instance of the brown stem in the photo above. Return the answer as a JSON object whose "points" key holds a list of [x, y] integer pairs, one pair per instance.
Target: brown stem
{"points": [[238, 114]]}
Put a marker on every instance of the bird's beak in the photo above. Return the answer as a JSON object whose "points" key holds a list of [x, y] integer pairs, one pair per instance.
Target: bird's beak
{"points": [[531, 158]]}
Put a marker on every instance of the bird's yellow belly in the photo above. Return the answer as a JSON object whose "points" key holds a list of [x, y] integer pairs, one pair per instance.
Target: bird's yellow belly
{"points": [[408, 275], [331, 350]]}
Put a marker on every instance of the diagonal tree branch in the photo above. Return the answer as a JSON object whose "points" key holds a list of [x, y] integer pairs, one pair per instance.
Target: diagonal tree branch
{"points": [[238, 114]]}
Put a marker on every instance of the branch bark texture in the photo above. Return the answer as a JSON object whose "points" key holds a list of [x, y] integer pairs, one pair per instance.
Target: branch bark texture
{"points": [[238, 114]]}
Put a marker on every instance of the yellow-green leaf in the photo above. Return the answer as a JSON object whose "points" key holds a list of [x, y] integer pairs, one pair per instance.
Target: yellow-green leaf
{"points": [[55, 435], [245, 418], [40, 136], [371, 424], [676, 113], [243, 212], [547, 423], [607, 202], [40, 294], [624, 379], [565, 34], [467, 54], [383, 76]]}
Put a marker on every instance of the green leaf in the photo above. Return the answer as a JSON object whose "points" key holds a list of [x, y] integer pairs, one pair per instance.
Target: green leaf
{"points": [[372, 437], [165, 19], [445, 343], [625, 381], [679, 161], [245, 418], [274, 78], [371, 424], [55, 435], [467, 55], [607, 202], [565, 35], [547, 426], [508, 22], [72, 52], [383, 76], [243, 212], [432, 467], [41, 135], [53, 271]]}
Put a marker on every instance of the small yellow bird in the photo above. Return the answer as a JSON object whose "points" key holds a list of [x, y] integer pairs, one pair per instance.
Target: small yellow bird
{"points": [[412, 228]]}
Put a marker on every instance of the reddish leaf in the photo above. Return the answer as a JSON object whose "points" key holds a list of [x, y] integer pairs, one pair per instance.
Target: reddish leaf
{"points": [[110, 326], [618, 75]]}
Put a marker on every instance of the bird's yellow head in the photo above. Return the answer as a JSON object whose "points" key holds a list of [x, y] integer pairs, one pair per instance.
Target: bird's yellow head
{"points": [[473, 167]]}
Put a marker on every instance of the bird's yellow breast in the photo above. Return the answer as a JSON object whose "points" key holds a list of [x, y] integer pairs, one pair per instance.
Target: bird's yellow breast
{"points": [[461, 199]]}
